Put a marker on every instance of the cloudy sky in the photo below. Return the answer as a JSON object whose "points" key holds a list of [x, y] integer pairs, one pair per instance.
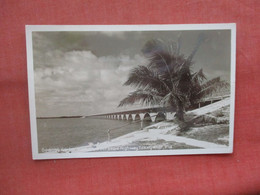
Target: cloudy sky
{"points": [[82, 73]]}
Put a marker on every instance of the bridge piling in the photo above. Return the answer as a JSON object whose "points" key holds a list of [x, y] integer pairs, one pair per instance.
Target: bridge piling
{"points": [[108, 135]]}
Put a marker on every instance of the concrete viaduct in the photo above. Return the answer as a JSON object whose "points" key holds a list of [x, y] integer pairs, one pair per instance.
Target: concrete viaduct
{"points": [[147, 114], [155, 114]]}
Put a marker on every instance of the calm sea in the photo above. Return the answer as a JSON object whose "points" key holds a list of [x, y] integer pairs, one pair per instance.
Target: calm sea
{"points": [[74, 132]]}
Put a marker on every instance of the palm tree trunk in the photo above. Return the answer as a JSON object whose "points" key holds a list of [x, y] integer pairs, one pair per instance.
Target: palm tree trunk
{"points": [[180, 113], [179, 110]]}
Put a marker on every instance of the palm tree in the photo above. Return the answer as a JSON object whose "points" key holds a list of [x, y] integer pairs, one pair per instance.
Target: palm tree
{"points": [[167, 79]]}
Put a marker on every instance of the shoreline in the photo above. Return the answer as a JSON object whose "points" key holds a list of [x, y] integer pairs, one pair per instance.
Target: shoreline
{"points": [[157, 136]]}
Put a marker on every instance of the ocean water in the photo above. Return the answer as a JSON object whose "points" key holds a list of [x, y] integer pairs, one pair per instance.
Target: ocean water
{"points": [[74, 132]]}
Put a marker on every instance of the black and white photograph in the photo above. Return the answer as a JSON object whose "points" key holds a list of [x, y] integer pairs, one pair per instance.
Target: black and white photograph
{"points": [[131, 90]]}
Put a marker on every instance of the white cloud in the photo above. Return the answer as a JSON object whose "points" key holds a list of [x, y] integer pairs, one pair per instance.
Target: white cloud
{"points": [[79, 83]]}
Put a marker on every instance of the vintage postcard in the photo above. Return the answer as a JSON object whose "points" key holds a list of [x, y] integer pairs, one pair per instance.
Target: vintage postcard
{"points": [[131, 90]]}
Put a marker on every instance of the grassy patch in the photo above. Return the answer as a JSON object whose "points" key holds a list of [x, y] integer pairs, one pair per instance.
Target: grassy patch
{"points": [[210, 133]]}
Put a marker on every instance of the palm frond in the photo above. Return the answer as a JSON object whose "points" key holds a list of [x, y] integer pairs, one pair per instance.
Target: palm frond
{"points": [[145, 78], [160, 53], [167, 99], [198, 76], [154, 46], [212, 86], [144, 97]]}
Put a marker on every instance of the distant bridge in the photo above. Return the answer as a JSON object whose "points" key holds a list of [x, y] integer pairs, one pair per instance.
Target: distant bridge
{"points": [[154, 114]]}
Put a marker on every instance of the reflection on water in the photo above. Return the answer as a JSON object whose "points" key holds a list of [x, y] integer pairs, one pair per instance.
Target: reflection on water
{"points": [[73, 132]]}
